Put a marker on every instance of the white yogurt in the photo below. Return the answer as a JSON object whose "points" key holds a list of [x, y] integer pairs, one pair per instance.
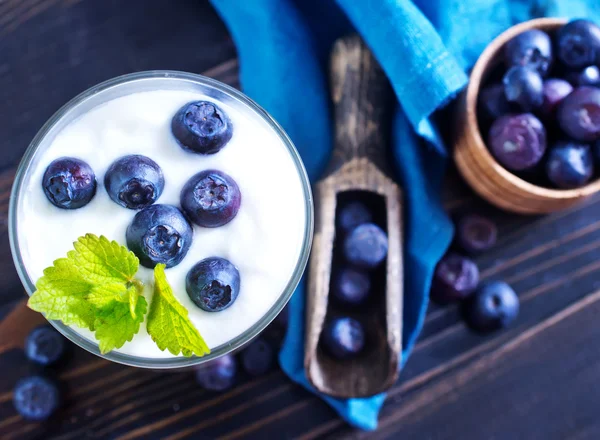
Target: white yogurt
{"points": [[264, 240]]}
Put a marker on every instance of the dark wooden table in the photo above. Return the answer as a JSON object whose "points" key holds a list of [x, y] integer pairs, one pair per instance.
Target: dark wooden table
{"points": [[539, 379]]}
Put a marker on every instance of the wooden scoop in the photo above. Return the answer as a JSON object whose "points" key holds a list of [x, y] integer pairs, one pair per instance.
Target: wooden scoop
{"points": [[363, 103]]}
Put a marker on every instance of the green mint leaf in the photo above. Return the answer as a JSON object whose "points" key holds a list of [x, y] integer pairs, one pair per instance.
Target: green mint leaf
{"points": [[114, 323], [168, 322]]}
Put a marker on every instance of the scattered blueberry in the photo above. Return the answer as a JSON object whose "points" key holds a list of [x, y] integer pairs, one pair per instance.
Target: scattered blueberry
{"points": [[213, 284], [44, 345], [524, 87], [69, 183], [352, 215], [366, 246], [579, 114], [495, 305], [202, 127], [578, 44], [211, 198], [159, 234], [218, 374], [476, 233], [493, 102], [590, 76], [343, 337], [134, 181], [36, 398], [455, 278], [532, 48], [258, 357], [570, 165], [555, 90], [351, 286], [518, 141]]}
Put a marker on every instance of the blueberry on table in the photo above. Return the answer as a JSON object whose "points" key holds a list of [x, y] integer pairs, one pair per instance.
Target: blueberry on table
{"points": [[524, 87], [213, 284], [218, 374], [343, 337], [555, 90], [455, 278], [134, 181], [590, 76], [202, 127], [258, 358], [578, 44], [159, 234], [211, 198], [532, 48], [495, 305], [69, 183], [570, 165], [492, 102], [351, 286], [44, 345], [36, 398], [579, 114], [476, 233], [517, 141], [366, 246]]}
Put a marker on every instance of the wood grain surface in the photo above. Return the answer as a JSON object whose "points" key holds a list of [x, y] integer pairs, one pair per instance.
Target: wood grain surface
{"points": [[537, 380]]}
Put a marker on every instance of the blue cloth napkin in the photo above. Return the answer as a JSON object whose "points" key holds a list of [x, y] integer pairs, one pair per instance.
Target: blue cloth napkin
{"points": [[424, 47]]}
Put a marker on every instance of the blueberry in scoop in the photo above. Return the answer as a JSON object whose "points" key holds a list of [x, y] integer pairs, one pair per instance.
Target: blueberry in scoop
{"points": [[570, 164], [366, 246], [455, 278], [218, 374], [44, 345], [159, 234], [36, 398], [476, 233], [523, 86], [69, 183], [351, 286], [492, 102], [495, 305], [532, 48], [555, 90], [134, 181], [578, 44], [258, 358], [579, 114], [213, 284], [518, 142], [202, 127], [352, 215], [343, 337], [211, 198]]}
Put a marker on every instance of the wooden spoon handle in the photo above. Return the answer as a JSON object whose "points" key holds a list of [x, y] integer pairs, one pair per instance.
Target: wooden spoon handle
{"points": [[363, 102]]}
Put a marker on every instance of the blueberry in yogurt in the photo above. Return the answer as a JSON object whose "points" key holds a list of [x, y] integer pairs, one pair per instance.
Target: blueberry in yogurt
{"points": [[159, 234], [69, 183], [213, 284], [134, 181], [202, 127]]}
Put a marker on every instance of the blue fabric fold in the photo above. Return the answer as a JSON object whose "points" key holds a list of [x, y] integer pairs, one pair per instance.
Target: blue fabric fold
{"points": [[424, 47]]}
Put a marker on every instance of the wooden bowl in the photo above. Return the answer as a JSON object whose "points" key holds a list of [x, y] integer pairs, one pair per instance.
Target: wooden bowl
{"points": [[474, 161]]}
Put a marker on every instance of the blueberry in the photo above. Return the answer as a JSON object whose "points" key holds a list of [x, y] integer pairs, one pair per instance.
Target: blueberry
{"points": [[69, 183], [578, 44], [159, 234], [579, 114], [218, 374], [524, 86], [213, 284], [366, 246], [211, 198], [134, 181], [532, 48], [518, 141], [36, 398], [351, 286], [455, 278], [202, 127], [343, 337], [476, 233], [590, 76], [258, 357], [44, 345], [352, 215], [570, 165], [495, 305], [555, 90], [492, 102]]}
